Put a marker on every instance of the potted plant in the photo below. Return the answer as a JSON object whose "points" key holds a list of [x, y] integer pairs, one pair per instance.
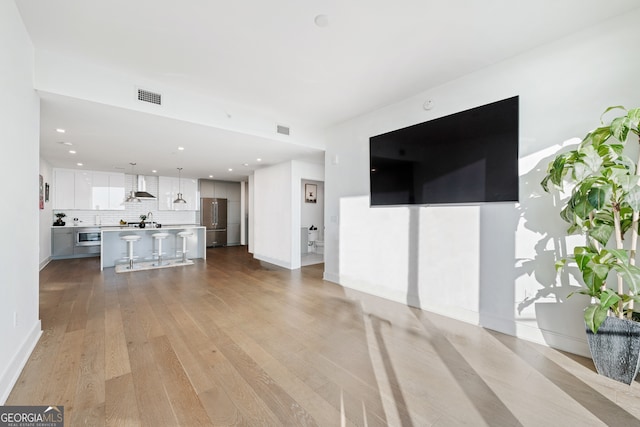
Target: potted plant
{"points": [[604, 207], [142, 218], [59, 221]]}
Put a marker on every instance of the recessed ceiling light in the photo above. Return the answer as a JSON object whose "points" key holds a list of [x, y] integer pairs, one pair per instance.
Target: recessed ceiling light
{"points": [[230, 170], [180, 148], [154, 171], [321, 21], [60, 130], [65, 143], [210, 176], [258, 160], [79, 164], [72, 151], [245, 164]]}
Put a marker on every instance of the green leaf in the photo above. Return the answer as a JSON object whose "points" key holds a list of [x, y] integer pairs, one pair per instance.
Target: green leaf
{"points": [[600, 135], [580, 171], [621, 255], [633, 198], [557, 171], [560, 264], [583, 259], [634, 115], [631, 275], [597, 197], [592, 280], [594, 315], [629, 182], [602, 233], [567, 214], [545, 183], [583, 208], [615, 107], [617, 173], [620, 127], [592, 159], [608, 299]]}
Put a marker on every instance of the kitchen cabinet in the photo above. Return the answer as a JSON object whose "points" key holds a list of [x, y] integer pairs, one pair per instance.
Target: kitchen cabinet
{"points": [[63, 189], [233, 192], [62, 242], [83, 190], [88, 190], [233, 234], [220, 189], [168, 188], [207, 188]]}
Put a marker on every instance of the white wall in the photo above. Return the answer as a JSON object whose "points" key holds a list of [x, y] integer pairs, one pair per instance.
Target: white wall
{"points": [[272, 214], [46, 216], [19, 109], [276, 211], [489, 264]]}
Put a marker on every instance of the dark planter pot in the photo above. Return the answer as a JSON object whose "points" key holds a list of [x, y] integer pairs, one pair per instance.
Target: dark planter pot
{"points": [[615, 349], [142, 224]]}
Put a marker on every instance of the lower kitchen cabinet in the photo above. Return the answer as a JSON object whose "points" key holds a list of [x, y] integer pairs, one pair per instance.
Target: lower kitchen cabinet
{"points": [[233, 234], [62, 243]]}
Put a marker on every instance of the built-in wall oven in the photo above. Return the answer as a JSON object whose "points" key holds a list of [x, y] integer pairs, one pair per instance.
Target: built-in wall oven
{"points": [[87, 236]]}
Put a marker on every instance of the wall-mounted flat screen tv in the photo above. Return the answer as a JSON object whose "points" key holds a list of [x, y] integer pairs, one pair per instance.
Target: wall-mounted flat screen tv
{"points": [[468, 157]]}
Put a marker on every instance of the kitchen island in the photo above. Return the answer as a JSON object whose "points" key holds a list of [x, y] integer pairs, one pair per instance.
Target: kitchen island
{"points": [[113, 250]]}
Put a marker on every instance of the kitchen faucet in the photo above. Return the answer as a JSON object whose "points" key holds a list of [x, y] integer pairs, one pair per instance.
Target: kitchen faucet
{"points": [[150, 218]]}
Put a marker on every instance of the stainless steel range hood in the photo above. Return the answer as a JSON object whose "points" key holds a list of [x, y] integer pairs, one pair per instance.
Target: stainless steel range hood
{"points": [[142, 189]]}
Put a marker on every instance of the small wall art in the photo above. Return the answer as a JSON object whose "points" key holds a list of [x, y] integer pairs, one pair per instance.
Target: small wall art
{"points": [[310, 193], [41, 192]]}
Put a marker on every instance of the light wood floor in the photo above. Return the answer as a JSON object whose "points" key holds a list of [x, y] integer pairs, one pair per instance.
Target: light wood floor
{"points": [[231, 341]]}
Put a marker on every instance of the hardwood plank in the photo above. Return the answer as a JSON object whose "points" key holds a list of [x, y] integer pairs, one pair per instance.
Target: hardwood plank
{"points": [[120, 403], [182, 397], [234, 341]]}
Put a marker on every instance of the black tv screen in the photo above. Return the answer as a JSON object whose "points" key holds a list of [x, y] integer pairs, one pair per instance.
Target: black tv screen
{"points": [[465, 158]]}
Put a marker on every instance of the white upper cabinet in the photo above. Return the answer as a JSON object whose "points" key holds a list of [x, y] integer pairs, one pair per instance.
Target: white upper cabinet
{"points": [[63, 189], [168, 189], [88, 190]]}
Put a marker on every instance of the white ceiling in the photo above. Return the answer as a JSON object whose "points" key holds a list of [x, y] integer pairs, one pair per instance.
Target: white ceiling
{"points": [[271, 56]]}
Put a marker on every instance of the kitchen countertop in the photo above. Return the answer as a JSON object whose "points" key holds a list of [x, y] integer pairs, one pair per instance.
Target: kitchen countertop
{"points": [[113, 248], [164, 227], [118, 226]]}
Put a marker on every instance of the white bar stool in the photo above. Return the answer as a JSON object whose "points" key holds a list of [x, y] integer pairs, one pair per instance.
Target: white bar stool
{"points": [[159, 238], [130, 238], [184, 234]]}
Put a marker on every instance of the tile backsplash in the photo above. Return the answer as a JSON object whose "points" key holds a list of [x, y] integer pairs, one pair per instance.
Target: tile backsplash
{"points": [[132, 211]]}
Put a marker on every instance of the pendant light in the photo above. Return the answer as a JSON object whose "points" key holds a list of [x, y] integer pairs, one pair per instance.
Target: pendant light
{"points": [[179, 199], [132, 194]]}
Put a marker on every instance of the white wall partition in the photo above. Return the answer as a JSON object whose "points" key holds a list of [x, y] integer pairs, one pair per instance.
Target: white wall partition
{"points": [[20, 110], [490, 264], [277, 203]]}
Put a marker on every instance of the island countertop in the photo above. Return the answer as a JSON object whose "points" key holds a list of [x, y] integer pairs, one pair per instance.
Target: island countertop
{"points": [[114, 249]]}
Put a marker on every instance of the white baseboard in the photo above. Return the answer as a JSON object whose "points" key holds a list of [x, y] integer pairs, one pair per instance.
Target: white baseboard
{"points": [[273, 261], [44, 263], [331, 277], [12, 372]]}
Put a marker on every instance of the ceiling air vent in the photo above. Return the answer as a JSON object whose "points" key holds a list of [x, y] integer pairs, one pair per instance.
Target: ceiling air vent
{"points": [[283, 130], [146, 96]]}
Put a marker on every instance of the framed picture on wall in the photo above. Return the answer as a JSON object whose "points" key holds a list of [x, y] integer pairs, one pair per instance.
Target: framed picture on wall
{"points": [[310, 193], [46, 192], [41, 192]]}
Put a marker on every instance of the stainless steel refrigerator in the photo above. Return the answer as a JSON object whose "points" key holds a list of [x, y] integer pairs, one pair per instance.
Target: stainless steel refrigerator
{"points": [[213, 216]]}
